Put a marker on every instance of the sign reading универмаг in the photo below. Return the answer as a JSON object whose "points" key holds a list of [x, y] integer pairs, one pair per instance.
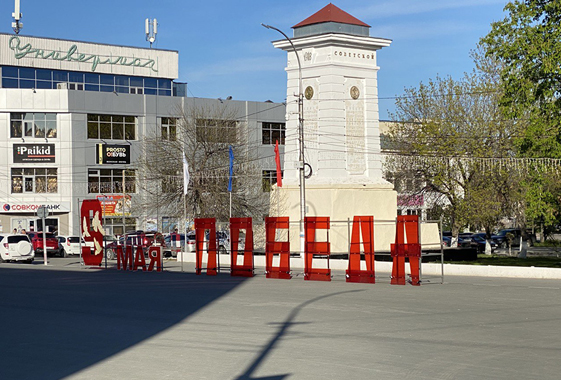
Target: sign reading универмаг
{"points": [[113, 154], [29, 153]]}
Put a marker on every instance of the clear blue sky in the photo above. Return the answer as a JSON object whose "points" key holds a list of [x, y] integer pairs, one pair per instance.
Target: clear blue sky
{"points": [[224, 50]]}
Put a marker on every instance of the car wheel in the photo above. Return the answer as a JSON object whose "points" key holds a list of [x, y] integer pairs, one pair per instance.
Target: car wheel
{"points": [[29, 261], [110, 254], [63, 253]]}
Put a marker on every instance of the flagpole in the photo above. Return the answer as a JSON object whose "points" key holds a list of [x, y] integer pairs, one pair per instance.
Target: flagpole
{"points": [[184, 228], [185, 187]]}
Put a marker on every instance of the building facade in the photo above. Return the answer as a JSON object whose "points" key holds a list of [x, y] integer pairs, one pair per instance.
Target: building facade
{"points": [[73, 117]]}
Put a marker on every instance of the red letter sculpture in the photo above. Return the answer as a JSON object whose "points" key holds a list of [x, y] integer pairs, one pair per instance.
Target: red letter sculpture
{"points": [[364, 224], [273, 247], [201, 226], [92, 231], [407, 227], [237, 224], [316, 248]]}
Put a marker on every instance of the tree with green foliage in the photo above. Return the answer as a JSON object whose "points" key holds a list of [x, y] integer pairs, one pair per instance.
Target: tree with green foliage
{"points": [[527, 43], [453, 132]]}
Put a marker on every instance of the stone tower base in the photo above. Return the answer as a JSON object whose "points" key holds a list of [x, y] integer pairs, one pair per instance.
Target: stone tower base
{"points": [[341, 203]]}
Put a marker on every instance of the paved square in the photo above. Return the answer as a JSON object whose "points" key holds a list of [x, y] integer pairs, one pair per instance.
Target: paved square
{"points": [[67, 321]]}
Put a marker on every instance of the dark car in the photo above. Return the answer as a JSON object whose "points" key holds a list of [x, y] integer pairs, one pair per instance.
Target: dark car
{"points": [[502, 238], [480, 243]]}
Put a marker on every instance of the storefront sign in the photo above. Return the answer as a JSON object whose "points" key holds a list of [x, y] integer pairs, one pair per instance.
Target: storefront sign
{"points": [[115, 205], [113, 154], [32, 207], [28, 153], [26, 50]]}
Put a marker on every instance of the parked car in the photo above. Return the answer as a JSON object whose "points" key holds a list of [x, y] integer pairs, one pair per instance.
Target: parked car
{"points": [[70, 245], [136, 238], [37, 242], [502, 237], [171, 245], [480, 243], [446, 241], [16, 247]]}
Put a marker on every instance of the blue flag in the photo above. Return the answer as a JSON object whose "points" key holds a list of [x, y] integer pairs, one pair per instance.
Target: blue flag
{"points": [[231, 169]]}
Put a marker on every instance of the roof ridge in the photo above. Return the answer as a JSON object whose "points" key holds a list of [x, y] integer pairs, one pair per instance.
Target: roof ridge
{"points": [[331, 13]]}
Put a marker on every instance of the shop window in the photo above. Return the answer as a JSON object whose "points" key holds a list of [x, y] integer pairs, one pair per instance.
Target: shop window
{"points": [[111, 181], [28, 124], [111, 127], [34, 180]]}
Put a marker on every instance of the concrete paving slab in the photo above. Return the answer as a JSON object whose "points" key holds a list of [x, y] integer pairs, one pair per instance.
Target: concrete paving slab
{"points": [[67, 321]]}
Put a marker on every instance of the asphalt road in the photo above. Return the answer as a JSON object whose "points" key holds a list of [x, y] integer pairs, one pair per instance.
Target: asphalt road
{"points": [[67, 321]]}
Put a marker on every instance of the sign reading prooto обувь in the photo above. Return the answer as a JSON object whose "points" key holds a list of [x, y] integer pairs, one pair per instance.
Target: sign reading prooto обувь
{"points": [[113, 154], [29, 153]]}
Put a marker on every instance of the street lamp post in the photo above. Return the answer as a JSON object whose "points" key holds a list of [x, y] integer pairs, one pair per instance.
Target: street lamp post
{"points": [[302, 178]]}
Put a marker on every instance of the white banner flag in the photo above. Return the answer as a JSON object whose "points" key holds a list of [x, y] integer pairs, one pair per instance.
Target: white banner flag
{"points": [[185, 174]]}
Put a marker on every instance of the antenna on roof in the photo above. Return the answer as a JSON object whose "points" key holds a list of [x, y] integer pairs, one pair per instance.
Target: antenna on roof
{"points": [[151, 28], [16, 25]]}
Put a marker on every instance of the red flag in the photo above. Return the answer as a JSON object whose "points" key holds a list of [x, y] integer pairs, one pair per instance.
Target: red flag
{"points": [[277, 160]]}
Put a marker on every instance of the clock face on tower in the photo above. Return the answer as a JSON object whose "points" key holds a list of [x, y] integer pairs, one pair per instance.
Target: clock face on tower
{"points": [[309, 92], [355, 92]]}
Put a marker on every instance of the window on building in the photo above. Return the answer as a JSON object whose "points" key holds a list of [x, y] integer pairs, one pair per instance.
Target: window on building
{"points": [[272, 132], [111, 181], [269, 179], [169, 128], [216, 131], [33, 124], [111, 127], [34, 180], [26, 77]]}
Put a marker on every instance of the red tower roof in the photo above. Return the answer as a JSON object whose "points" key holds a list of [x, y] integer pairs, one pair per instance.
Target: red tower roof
{"points": [[330, 13]]}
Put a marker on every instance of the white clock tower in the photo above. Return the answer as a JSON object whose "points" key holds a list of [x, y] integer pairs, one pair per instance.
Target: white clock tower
{"points": [[342, 154]]}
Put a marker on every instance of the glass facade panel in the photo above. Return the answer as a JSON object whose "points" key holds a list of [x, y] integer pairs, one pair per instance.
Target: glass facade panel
{"points": [[26, 73], [24, 77], [26, 83], [121, 81], [60, 76], [10, 72], [136, 82], [92, 78], [9, 83], [44, 74], [107, 79], [44, 84], [75, 77]]}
